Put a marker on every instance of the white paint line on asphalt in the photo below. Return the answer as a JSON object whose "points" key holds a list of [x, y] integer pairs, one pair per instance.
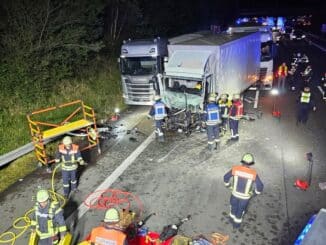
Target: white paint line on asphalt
{"points": [[321, 90], [82, 209], [163, 158]]}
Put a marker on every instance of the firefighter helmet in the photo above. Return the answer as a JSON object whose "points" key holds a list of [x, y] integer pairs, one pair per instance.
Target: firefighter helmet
{"points": [[248, 159], [112, 215], [306, 89], [224, 96], [42, 195], [157, 97], [212, 97], [236, 96], [67, 140]]}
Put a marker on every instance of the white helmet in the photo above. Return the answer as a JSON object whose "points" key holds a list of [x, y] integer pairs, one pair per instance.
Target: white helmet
{"points": [[212, 97], [236, 96], [67, 140]]}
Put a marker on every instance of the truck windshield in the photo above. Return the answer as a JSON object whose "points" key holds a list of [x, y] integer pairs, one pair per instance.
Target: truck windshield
{"points": [[184, 86], [266, 51], [138, 65]]}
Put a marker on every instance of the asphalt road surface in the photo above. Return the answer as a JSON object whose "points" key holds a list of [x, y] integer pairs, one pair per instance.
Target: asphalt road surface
{"points": [[180, 177]]}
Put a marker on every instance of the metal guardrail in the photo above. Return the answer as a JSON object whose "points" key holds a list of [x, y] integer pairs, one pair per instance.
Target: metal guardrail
{"points": [[21, 151]]}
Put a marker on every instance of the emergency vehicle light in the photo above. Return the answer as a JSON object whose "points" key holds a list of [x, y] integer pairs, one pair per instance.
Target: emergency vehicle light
{"points": [[305, 230]]}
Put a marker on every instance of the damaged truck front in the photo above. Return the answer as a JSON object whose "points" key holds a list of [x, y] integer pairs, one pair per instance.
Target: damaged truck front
{"points": [[204, 63]]}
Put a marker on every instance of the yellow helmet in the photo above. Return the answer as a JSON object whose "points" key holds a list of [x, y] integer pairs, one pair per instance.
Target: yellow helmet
{"points": [[248, 159], [212, 97], [67, 140], [112, 215], [42, 195], [224, 96]]}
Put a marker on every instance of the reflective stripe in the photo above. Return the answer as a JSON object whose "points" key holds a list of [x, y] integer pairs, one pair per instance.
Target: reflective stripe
{"points": [[213, 115], [73, 181], [236, 220], [160, 112], [305, 97]]}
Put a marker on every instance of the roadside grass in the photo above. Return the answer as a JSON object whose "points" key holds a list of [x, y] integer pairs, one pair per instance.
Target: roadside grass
{"points": [[101, 90]]}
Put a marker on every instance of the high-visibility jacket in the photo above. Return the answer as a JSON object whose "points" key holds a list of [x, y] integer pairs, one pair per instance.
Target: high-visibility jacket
{"points": [[305, 97], [236, 110], [282, 71], [107, 235], [69, 157], [224, 106], [212, 114], [48, 221], [159, 110], [244, 179]]}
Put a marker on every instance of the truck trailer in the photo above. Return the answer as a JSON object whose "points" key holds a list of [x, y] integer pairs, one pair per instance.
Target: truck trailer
{"points": [[219, 63], [203, 63], [140, 62], [268, 51]]}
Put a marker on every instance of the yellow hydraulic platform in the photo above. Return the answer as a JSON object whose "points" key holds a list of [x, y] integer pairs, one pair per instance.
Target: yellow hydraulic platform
{"points": [[78, 116]]}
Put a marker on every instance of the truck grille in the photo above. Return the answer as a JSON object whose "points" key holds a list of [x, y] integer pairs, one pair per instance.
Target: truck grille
{"points": [[140, 91]]}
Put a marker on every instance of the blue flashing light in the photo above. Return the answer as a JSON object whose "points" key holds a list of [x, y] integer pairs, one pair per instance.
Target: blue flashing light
{"points": [[238, 21], [270, 21], [280, 22], [305, 230]]}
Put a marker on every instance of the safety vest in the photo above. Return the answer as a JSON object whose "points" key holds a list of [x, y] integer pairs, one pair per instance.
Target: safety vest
{"points": [[305, 97], [68, 157], [107, 236], [44, 221], [238, 110], [282, 70], [159, 111], [243, 179], [224, 107], [213, 114]]}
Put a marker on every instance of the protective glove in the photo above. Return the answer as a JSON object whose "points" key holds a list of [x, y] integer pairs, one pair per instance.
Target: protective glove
{"points": [[83, 163]]}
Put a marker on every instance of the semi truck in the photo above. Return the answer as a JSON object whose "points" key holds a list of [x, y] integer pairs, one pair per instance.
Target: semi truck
{"points": [[140, 62], [221, 63], [268, 51], [203, 63]]}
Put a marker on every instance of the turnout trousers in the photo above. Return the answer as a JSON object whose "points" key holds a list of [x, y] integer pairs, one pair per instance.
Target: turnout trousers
{"points": [[303, 113], [158, 131], [238, 208], [69, 179], [213, 135], [234, 128]]}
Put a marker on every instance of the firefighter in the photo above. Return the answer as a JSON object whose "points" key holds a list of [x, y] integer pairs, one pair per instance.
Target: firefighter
{"points": [[69, 156], [305, 104], [235, 114], [323, 85], [158, 111], [47, 220], [306, 76], [245, 184], [110, 232], [212, 120], [282, 74], [224, 104]]}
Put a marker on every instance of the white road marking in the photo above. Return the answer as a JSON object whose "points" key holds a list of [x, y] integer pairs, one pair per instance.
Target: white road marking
{"points": [[163, 158], [321, 90], [82, 209]]}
